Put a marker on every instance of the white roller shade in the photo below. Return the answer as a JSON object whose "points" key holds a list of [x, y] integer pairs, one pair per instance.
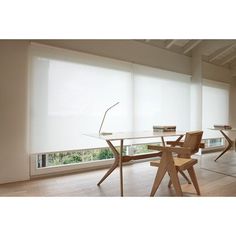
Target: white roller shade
{"points": [[215, 108], [69, 95], [161, 98], [70, 92]]}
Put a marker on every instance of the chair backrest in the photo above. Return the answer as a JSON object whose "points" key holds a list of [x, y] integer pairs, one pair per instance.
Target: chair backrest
{"points": [[193, 141]]}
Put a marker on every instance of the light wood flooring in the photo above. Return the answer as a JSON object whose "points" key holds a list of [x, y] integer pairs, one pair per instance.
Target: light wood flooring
{"points": [[215, 179]]}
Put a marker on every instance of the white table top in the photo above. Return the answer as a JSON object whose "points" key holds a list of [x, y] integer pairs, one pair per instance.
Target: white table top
{"points": [[136, 135], [233, 129]]}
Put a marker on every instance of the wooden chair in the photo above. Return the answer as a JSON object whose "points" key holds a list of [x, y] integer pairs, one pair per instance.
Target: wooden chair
{"points": [[182, 162]]}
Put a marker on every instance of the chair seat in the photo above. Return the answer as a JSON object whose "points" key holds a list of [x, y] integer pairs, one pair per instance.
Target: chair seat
{"points": [[180, 163]]}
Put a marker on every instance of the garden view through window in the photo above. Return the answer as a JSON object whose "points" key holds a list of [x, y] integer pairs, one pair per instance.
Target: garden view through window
{"points": [[82, 156]]}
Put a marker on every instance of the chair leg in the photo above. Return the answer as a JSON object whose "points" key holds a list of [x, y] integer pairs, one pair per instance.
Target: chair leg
{"points": [[175, 180], [159, 176], [185, 176], [170, 183], [194, 179]]}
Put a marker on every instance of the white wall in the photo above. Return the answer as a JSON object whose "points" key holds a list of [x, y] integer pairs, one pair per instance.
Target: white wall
{"points": [[14, 161]]}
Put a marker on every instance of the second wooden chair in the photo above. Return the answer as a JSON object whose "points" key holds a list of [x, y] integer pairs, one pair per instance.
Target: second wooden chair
{"points": [[182, 162]]}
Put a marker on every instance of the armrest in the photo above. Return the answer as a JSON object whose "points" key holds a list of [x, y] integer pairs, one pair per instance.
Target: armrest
{"points": [[175, 143], [178, 150], [141, 156]]}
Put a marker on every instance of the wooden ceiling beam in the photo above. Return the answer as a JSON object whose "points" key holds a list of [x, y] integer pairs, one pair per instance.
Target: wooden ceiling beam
{"points": [[191, 45], [228, 58], [169, 43], [207, 47], [220, 52]]}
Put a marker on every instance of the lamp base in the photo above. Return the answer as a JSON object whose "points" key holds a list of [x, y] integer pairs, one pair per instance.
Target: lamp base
{"points": [[105, 133]]}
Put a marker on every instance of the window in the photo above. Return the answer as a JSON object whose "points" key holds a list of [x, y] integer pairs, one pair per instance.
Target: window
{"points": [[70, 92], [214, 142]]}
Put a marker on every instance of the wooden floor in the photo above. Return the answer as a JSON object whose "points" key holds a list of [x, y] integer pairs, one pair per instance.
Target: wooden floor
{"points": [[215, 179]]}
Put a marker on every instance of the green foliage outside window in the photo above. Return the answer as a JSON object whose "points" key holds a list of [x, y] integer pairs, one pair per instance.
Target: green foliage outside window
{"points": [[64, 158], [105, 154]]}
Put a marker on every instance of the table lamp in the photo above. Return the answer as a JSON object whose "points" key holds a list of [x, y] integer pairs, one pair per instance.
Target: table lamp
{"points": [[106, 133]]}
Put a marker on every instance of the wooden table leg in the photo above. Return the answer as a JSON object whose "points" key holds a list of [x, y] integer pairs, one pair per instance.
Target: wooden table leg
{"points": [[114, 165], [117, 162], [163, 141], [230, 144]]}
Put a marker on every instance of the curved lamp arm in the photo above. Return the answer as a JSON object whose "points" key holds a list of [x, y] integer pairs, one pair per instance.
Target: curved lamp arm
{"points": [[106, 114]]}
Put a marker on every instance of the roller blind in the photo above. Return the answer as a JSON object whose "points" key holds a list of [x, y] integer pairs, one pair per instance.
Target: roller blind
{"points": [[215, 108], [70, 92], [161, 98], [69, 95]]}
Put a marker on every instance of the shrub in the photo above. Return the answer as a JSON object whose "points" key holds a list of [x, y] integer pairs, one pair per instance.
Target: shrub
{"points": [[105, 154]]}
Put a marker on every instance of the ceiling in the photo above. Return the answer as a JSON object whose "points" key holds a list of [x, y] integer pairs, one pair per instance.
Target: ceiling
{"points": [[218, 52]]}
